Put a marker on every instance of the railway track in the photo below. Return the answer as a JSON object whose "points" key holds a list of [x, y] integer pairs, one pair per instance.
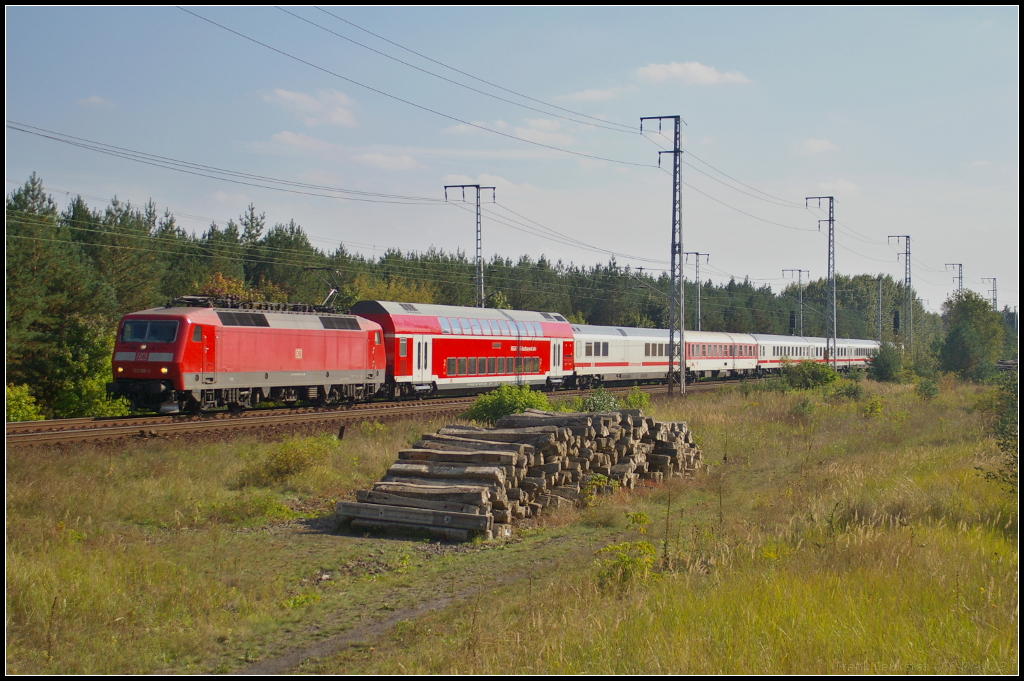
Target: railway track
{"points": [[63, 431]]}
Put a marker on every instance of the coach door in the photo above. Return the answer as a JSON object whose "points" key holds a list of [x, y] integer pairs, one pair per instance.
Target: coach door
{"points": [[421, 359]]}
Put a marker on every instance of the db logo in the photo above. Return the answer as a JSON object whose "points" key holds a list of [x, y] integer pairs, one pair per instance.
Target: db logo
{"points": [[298, 353], [141, 356]]}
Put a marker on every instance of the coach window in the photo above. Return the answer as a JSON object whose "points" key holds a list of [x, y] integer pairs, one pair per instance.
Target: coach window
{"points": [[536, 365], [197, 334], [604, 349], [403, 349], [589, 350]]}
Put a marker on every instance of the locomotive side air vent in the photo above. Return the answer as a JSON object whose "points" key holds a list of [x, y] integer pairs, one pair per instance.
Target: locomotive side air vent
{"points": [[408, 307], [243, 318], [344, 323], [545, 315], [559, 318]]}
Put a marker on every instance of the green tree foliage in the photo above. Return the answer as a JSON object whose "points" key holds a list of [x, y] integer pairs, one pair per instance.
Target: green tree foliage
{"points": [[887, 364], [974, 338], [59, 307], [72, 274], [21, 406]]}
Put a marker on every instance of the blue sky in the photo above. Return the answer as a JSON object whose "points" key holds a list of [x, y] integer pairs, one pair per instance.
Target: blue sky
{"points": [[909, 117]]}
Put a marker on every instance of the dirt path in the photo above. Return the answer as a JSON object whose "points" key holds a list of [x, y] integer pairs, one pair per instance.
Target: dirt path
{"points": [[519, 568]]}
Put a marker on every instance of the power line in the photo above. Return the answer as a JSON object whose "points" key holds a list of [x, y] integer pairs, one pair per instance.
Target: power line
{"points": [[410, 103], [449, 80], [770, 222], [495, 85], [215, 173]]}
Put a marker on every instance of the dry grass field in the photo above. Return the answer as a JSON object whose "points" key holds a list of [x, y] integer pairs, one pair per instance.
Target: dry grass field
{"points": [[829, 535]]}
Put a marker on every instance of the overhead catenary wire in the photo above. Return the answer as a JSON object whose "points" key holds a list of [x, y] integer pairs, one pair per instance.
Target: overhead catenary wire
{"points": [[453, 82], [218, 173], [629, 128], [413, 104]]}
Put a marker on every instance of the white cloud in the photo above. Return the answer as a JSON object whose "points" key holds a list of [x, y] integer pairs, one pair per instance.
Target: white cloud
{"points": [[596, 95], [385, 162], [304, 142], [839, 188], [544, 124], [464, 128], [690, 72], [980, 164], [544, 137], [95, 101], [327, 107], [810, 147]]}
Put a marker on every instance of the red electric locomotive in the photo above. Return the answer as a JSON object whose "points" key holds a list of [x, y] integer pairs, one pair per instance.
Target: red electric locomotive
{"points": [[191, 355], [445, 348]]}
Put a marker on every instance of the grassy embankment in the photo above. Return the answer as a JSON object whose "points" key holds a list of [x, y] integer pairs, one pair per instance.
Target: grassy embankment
{"points": [[829, 541], [838, 537]]}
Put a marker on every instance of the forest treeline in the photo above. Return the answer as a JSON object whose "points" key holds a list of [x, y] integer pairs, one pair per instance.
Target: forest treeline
{"points": [[71, 274]]}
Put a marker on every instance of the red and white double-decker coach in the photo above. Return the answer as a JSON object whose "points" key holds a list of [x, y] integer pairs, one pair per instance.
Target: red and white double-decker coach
{"points": [[445, 348]]}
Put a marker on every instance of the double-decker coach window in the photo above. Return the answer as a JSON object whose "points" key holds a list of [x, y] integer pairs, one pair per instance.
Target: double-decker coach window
{"points": [[501, 365], [472, 365], [445, 326], [490, 365], [403, 347], [462, 366], [451, 366], [144, 331]]}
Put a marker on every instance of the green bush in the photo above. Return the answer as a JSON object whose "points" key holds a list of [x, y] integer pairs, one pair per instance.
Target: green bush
{"points": [[927, 389], [1001, 407], [848, 390], [21, 406], [599, 400], [803, 409], [507, 399], [808, 374], [636, 399], [887, 364]]}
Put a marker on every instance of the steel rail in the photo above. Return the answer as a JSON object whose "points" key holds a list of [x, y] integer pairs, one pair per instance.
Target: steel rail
{"points": [[58, 431]]}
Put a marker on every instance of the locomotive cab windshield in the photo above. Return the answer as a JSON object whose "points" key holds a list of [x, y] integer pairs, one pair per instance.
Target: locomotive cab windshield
{"points": [[147, 331]]}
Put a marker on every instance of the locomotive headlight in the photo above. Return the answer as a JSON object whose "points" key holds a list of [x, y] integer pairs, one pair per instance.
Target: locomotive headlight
{"points": [[163, 370], [120, 369]]}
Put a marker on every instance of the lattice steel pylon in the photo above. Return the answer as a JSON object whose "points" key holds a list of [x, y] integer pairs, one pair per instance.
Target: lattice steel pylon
{"points": [[908, 296], [696, 288], [800, 286], [480, 297], [831, 346], [676, 261]]}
